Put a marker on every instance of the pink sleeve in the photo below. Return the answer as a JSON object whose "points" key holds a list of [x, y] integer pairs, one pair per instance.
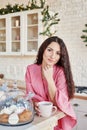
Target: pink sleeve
{"points": [[63, 103], [28, 81], [29, 87]]}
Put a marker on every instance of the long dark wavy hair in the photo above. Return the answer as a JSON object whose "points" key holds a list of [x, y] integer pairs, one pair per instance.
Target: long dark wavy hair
{"points": [[63, 61]]}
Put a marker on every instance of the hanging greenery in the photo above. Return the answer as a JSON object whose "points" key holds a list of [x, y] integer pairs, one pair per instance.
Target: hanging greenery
{"points": [[48, 19], [84, 36]]}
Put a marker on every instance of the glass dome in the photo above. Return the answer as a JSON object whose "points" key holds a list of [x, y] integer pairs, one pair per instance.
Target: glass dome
{"points": [[15, 107]]}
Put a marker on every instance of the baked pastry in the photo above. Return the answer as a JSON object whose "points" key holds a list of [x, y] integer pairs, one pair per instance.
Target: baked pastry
{"points": [[2, 96], [25, 116], [19, 110], [6, 111], [14, 110], [13, 119], [4, 118]]}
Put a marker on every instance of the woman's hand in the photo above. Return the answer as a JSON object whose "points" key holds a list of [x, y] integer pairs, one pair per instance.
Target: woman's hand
{"points": [[36, 108], [48, 72]]}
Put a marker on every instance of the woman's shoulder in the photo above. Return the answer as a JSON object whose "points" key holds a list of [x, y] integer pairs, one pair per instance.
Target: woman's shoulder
{"points": [[59, 69], [32, 66]]}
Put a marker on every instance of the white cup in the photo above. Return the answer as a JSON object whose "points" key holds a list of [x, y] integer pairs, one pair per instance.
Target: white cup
{"points": [[46, 108]]}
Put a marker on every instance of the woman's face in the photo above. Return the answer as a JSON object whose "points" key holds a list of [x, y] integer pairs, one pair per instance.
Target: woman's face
{"points": [[51, 54]]}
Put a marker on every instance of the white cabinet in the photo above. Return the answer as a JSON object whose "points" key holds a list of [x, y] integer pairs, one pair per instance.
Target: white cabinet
{"points": [[19, 33], [82, 121], [3, 34], [80, 107]]}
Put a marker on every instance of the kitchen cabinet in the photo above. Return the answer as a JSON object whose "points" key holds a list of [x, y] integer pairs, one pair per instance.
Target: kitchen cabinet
{"points": [[3, 34], [19, 32], [80, 107]]}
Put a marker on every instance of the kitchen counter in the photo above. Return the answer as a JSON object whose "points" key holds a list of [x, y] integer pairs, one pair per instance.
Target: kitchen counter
{"points": [[39, 123], [80, 96], [21, 85], [81, 92]]}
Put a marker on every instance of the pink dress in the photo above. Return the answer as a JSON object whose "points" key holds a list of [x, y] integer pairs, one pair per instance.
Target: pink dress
{"points": [[36, 84]]}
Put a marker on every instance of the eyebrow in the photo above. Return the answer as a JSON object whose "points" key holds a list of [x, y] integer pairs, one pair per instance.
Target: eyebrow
{"points": [[52, 49]]}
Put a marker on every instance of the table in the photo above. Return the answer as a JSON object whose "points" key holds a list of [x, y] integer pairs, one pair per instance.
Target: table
{"points": [[39, 123]]}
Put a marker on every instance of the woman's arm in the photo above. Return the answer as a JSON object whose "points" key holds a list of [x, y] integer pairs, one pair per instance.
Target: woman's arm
{"points": [[33, 84], [28, 81]]}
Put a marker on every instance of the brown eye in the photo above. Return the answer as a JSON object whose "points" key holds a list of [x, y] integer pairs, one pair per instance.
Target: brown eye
{"points": [[58, 53], [49, 49]]}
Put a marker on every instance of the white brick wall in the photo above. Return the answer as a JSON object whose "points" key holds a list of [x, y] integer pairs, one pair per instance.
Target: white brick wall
{"points": [[73, 16], [15, 67]]}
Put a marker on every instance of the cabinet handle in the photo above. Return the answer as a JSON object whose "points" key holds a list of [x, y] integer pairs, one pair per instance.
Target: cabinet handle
{"points": [[85, 115], [76, 104]]}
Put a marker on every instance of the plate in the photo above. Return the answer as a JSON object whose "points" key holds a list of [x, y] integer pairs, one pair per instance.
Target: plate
{"points": [[18, 124]]}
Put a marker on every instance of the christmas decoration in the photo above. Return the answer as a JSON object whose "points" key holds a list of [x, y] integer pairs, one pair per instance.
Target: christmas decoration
{"points": [[84, 36], [48, 19], [32, 4]]}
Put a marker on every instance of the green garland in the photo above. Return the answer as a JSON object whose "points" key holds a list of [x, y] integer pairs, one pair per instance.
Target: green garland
{"points": [[47, 19], [32, 4], [84, 36]]}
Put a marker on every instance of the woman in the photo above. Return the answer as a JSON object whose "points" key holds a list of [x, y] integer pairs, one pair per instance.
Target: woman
{"points": [[50, 78]]}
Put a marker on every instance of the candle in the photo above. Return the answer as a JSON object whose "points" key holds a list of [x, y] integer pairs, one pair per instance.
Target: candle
{"points": [[17, 23]]}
